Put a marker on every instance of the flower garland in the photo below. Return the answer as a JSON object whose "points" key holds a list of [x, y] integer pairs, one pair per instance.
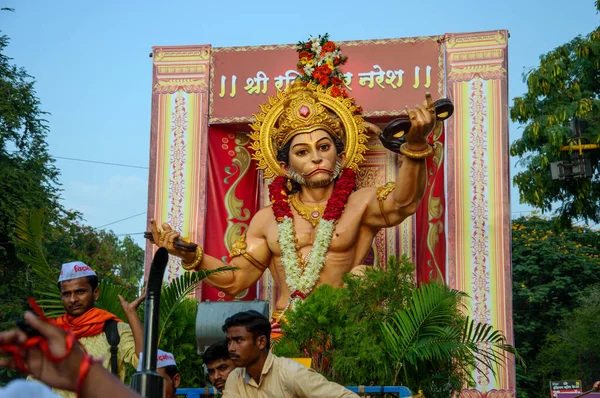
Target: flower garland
{"points": [[319, 61], [301, 277]]}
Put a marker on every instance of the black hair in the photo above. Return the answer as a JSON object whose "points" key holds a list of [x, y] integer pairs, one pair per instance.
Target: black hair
{"points": [[283, 154], [254, 322], [216, 351], [92, 280], [171, 370]]}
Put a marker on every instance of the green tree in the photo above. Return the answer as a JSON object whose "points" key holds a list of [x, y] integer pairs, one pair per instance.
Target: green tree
{"points": [[121, 261], [28, 179], [551, 267], [571, 351], [131, 268], [565, 86]]}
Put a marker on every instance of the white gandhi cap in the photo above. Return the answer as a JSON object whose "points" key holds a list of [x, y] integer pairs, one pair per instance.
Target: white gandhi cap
{"points": [[163, 359], [75, 270]]}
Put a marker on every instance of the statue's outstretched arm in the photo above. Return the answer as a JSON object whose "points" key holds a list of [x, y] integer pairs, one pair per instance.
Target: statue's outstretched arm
{"points": [[251, 255], [395, 201]]}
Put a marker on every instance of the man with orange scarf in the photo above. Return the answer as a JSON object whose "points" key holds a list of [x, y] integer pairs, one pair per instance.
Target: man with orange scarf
{"points": [[78, 285]]}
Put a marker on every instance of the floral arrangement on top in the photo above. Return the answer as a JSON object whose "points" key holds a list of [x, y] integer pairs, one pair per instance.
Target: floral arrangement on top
{"points": [[319, 62]]}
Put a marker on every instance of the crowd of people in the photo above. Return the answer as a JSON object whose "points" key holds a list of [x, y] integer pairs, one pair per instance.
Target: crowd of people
{"points": [[83, 352]]}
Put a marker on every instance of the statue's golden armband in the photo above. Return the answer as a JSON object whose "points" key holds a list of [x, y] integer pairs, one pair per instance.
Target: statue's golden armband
{"points": [[382, 194], [239, 249]]}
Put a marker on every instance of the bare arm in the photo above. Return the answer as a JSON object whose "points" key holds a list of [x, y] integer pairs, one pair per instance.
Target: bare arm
{"points": [[65, 373], [230, 282], [387, 208], [133, 320]]}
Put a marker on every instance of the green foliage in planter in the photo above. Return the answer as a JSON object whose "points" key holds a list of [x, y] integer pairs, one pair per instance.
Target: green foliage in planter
{"points": [[383, 329]]}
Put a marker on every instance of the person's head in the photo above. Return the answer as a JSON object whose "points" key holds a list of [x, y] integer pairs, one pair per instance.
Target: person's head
{"points": [[166, 367], [218, 364], [312, 159], [172, 379], [78, 286], [248, 337]]}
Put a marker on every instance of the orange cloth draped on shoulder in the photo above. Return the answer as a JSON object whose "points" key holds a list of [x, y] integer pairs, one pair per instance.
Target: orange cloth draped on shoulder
{"points": [[88, 324]]}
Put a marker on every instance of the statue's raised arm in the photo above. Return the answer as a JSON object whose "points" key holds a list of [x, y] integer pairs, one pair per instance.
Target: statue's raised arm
{"points": [[392, 203]]}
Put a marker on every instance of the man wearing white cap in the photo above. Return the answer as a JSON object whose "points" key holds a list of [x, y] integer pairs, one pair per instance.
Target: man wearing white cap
{"points": [[78, 285], [167, 368]]}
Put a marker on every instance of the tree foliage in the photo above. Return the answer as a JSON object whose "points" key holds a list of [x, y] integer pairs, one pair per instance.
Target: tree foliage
{"points": [[29, 181], [382, 329], [552, 266], [179, 338], [565, 86], [571, 350]]}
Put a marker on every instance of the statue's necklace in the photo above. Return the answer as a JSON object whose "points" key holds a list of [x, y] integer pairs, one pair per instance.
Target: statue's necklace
{"points": [[312, 214]]}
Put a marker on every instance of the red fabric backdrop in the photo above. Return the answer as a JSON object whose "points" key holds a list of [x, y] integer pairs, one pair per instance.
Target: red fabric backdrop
{"points": [[232, 178], [430, 218]]}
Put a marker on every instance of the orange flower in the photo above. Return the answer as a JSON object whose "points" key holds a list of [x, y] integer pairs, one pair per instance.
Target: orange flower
{"points": [[324, 70], [324, 80], [336, 91], [336, 81], [329, 47], [304, 54]]}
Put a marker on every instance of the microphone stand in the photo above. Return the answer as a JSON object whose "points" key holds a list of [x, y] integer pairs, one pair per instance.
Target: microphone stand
{"points": [[147, 382]]}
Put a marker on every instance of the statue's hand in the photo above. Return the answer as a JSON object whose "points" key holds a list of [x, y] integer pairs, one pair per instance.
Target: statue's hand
{"points": [[423, 120], [171, 241], [414, 126]]}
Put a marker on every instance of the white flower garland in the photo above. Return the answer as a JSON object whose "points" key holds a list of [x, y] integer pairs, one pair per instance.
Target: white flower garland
{"points": [[296, 278]]}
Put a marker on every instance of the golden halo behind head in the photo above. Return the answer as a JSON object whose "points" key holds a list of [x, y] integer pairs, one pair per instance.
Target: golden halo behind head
{"points": [[304, 108]]}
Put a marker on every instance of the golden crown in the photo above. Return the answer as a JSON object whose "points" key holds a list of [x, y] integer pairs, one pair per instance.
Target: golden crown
{"points": [[303, 113], [304, 108]]}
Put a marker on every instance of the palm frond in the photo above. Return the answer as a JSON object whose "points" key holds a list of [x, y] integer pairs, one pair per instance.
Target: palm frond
{"points": [[429, 307], [427, 330], [172, 295], [29, 238], [108, 299]]}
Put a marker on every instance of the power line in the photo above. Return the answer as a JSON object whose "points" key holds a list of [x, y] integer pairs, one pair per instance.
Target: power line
{"points": [[99, 162], [133, 233], [123, 219], [95, 161]]}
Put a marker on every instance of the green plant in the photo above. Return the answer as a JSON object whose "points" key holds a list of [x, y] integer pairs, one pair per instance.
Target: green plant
{"points": [[383, 329], [179, 338], [338, 327], [434, 348]]}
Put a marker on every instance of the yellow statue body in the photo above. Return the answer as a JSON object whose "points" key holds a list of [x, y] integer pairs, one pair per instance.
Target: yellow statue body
{"points": [[311, 141]]}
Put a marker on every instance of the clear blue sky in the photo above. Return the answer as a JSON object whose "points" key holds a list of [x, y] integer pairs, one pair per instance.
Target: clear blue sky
{"points": [[90, 60]]}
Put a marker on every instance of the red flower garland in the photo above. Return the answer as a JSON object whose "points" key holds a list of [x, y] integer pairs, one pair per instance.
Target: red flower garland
{"points": [[335, 205], [278, 195]]}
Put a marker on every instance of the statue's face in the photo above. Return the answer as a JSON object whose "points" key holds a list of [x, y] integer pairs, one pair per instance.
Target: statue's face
{"points": [[312, 159]]}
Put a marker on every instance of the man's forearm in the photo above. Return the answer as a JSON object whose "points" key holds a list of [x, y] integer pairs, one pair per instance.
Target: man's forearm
{"points": [[137, 330]]}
